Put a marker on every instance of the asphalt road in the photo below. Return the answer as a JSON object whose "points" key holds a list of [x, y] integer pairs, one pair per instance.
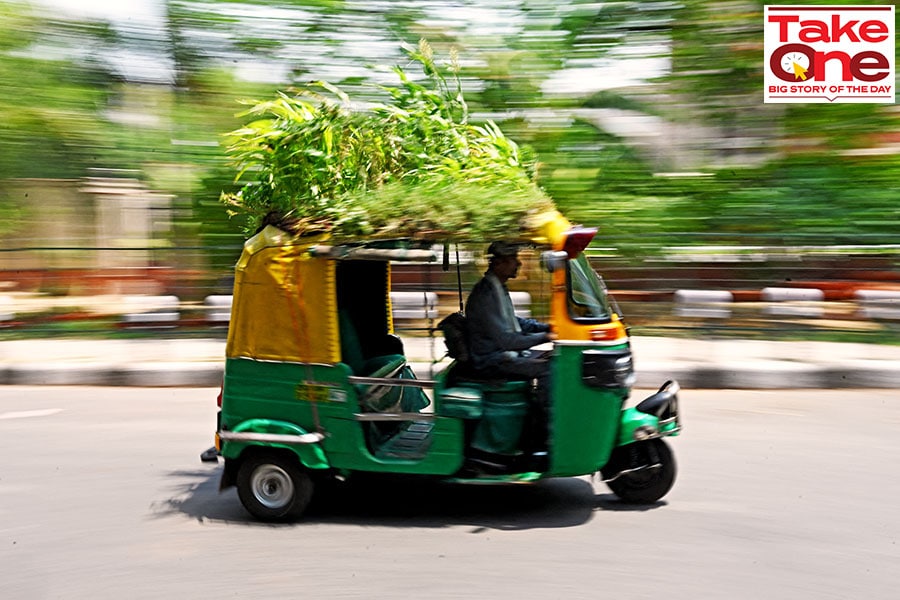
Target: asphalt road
{"points": [[787, 495]]}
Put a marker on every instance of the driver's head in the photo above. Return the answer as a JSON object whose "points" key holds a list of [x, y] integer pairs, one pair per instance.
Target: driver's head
{"points": [[504, 260]]}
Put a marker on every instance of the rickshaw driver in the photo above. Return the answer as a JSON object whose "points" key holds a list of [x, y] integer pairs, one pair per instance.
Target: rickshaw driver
{"points": [[498, 338]]}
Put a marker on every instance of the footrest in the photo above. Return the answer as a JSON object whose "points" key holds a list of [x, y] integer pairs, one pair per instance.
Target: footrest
{"points": [[411, 442]]}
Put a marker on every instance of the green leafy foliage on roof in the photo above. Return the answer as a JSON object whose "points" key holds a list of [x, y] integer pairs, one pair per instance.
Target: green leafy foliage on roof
{"points": [[312, 161]]}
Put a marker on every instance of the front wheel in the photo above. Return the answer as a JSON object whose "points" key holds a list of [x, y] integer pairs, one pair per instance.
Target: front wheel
{"points": [[273, 487], [642, 472]]}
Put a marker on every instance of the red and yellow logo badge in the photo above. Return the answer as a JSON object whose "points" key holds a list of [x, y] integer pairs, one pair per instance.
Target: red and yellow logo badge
{"points": [[829, 54]]}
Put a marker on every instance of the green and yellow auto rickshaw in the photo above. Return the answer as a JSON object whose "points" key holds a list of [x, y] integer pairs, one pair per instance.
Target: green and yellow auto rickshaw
{"points": [[317, 386]]}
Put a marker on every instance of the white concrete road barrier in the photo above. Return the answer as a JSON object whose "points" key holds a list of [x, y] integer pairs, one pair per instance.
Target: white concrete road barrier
{"points": [[703, 304], [879, 304], [794, 302]]}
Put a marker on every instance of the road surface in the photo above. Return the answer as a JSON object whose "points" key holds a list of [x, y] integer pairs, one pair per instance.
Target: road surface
{"points": [[780, 495]]}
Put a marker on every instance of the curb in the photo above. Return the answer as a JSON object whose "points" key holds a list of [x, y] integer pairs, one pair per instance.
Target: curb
{"points": [[156, 375], [762, 375], [778, 377]]}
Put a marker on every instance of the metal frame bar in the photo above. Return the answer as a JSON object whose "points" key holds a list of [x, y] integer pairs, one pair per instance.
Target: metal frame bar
{"points": [[404, 416], [633, 470], [273, 438], [420, 383]]}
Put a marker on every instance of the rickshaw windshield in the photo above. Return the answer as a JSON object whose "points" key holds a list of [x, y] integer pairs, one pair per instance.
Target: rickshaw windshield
{"points": [[588, 299]]}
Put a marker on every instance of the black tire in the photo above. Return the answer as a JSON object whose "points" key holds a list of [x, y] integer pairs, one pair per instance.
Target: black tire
{"points": [[644, 486], [273, 487]]}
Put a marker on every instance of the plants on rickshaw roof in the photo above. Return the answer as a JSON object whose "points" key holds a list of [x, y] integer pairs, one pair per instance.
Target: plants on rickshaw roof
{"points": [[313, 160]]}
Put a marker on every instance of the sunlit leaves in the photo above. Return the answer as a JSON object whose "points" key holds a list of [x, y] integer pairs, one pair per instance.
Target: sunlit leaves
{"points": [[412, 166]]}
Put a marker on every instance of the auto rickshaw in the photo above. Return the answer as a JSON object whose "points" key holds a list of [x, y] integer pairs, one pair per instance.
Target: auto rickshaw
{"points": [[317, 386]]}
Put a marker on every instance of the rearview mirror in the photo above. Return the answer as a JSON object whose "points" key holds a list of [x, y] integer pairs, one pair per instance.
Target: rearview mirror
{"points": [[553, 261]]}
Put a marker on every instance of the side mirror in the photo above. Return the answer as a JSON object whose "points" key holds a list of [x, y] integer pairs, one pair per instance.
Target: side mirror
{"points": [[553, 261]]}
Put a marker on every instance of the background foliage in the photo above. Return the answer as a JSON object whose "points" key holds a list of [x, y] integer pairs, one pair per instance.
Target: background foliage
{"points": [[558, 77]]}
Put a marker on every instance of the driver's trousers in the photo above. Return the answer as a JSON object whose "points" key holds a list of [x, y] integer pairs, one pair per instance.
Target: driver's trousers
{"points": [[535, 368]]}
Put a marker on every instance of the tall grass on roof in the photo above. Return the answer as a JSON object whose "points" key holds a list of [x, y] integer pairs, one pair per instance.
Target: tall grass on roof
{"points": [[312, 160]]}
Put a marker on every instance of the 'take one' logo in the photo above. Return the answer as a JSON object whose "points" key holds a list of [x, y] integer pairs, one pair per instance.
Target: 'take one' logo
{"points": [[829, 53]]}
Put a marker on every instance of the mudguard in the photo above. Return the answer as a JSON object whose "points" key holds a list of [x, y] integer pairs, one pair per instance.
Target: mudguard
{"points": [[655, 416], [276, 434], [632, 420]]}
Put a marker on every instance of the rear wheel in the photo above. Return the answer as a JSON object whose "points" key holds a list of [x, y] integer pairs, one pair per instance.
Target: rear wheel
{"points": [[649, 471], [273, 487]]}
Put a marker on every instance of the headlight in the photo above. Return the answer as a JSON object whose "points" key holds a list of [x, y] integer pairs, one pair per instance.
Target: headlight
{"points": [[645, 432], [607, 369]]}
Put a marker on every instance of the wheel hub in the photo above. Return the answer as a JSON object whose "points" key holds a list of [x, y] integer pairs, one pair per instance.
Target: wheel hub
{"points": [[272, 486]]}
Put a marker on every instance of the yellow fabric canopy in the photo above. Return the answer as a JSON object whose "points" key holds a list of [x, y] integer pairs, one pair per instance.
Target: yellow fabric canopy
{"points": [[285, 302]]}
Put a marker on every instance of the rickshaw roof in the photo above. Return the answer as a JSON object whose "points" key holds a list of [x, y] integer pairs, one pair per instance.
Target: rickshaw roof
{"points": [[545, 229], [397, 250]]}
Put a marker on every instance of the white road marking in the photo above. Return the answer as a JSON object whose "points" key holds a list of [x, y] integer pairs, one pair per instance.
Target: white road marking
{"points": [[25, 414]]}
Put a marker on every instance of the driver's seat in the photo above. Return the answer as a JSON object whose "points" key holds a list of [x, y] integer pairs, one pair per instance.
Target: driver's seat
{"points": [[456, 338]]}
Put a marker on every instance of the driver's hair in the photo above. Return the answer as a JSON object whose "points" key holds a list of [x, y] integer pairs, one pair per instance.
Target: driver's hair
{"points": [[495, 258]]}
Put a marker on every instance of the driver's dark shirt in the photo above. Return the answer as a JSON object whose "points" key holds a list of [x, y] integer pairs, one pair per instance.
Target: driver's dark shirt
{"points": [[493, 338]]}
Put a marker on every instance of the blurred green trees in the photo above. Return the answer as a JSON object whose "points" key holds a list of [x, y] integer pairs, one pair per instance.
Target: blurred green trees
{"points": [[564, 79]]}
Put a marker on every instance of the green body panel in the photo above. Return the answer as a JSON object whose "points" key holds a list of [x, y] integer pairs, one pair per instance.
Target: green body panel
{"points": [[311, 455], [314, 397], [289, 392], [346, 449], [585, 421], [632, 418]]}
